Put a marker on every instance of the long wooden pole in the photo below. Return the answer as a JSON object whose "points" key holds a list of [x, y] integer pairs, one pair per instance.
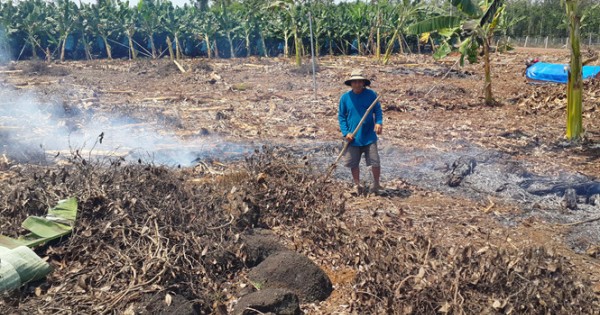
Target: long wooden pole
{"points": [[360, 123]]}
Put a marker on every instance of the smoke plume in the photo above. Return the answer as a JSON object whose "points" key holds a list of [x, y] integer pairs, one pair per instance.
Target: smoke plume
{"points": [[33, 129]]}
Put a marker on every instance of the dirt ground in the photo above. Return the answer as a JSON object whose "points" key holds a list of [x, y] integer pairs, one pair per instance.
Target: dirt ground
{"points": [[428, 107]]}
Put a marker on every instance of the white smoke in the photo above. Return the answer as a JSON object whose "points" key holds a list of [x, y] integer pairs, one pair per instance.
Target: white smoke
{"points": [[29, 127], [33, 129]]}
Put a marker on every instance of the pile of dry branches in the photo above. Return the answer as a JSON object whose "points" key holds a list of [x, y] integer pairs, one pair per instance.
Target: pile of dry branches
{"points": [[145, 230]]}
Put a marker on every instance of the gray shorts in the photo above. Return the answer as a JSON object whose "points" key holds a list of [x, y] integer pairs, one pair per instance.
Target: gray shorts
{"points": [[352, 155]]}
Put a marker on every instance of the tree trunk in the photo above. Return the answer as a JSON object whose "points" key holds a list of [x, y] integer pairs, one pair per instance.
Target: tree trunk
{"points": [[264, 44], [131, 46], [231, 50], [344, 46], [86, 47], [108, 48], [400, 42], [33, 44], [489, 99], [378, 45], [208, 50], [216, 49], [370, 42], [390, 48], [575, 83], [178, 53], [330, 45], [153, 47], [247, 44], [62, 48], [286, 39], [297, 47], [358, 46], [170, 46]]}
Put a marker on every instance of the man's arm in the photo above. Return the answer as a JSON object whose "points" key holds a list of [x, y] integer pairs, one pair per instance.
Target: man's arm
{"points": [[378, 119], [343, 117]]}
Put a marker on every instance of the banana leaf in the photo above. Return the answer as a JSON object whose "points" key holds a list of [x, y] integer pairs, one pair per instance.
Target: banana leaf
{"points": [[442, 51], [26, 262], [434, 24], [65, 209], [59, 222], [43, 227], [9, 277]]}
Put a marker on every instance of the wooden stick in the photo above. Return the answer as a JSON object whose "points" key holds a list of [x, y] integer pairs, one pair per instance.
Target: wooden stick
{"points": [[204, 109], [161, 98], [362, 120], [582, 222], [179, 66], [117, 92]]}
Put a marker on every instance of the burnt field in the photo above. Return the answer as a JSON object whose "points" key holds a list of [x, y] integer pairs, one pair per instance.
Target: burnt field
{"points": [[195, 188]]}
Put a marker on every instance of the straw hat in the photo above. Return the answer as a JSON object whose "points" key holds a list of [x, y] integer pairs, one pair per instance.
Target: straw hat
{"points": [[357, 75]]}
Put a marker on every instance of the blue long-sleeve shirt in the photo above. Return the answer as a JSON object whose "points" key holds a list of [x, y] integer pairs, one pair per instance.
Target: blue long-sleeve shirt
{"points": [[351, 110]]}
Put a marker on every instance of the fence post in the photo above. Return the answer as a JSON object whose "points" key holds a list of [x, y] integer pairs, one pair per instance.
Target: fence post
{"points": [[546, 43]]}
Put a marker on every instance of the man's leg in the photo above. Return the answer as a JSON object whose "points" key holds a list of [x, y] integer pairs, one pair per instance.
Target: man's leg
{"points": [[352, 161], [356, 175], [372, 157], [376, 173]]}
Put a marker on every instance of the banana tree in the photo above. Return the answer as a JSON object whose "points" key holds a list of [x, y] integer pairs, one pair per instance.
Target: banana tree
{"points": [[172, 20], [477, 26], [8, 26], [148, 11], [31, 19], [244, 13], [323, 21], [342, 30], [228, 24], [87, 21], [128, 21], [575, 83], [290, 10], [406, 13], [105, 12], [359, 22], [384, 25], [279, 26], [205, 26], [65, 20]]}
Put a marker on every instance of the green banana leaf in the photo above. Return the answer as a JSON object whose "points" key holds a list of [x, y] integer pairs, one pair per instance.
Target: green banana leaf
{"points": [[43, 227], [9, 277], [434, 24], [467, 6], [58, 222], [26, 262], [442, 51], [65, 209]]}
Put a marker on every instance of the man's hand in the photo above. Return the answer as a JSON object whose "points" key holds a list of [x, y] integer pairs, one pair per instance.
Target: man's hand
{"points": [[349, 137], [378, 129]]}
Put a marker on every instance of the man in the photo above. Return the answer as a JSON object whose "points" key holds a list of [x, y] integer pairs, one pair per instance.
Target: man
{"points": [[353, 105]]}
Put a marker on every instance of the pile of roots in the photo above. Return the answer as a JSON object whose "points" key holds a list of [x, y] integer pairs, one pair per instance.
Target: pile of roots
{"points": [[145, 231]]}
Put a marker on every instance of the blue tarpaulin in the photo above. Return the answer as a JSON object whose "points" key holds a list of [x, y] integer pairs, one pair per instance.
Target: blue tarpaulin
{"points": [[552, 72]]}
